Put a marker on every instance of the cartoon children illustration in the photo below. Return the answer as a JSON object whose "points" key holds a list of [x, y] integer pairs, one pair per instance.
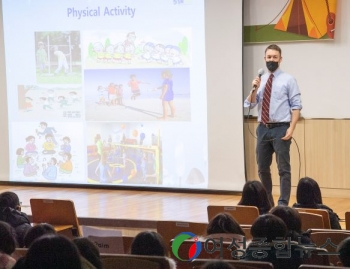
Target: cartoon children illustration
{"points": [[167, 95], [46, 103], [50, 170], [41, 57], [29, 104], [49, 145], [66, 167], [99, 50], [62, 101], [31, 147], [30, 168], [21, 160], [118, 53], [128, 52], [62, 61], [51, 96], [47, 130], [109, 53], [148, 49], [66, 147]]}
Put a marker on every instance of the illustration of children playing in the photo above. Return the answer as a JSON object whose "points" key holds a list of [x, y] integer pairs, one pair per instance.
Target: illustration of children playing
{"points": [[47, 130], [29, 104], [31, 147], [51, 96], [49, 145], [46, 103], [41, 57], [66, 167], [50, 169], [66, 147], [134, 86], [62, 61], [21, 160], [167, 95], [30, 168], [62, 101]]}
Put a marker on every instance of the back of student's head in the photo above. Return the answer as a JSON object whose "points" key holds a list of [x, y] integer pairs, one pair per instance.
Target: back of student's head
{"points": [[268, 226], [7, 239], [308, 192], [37, 231], [9, 199], [224, 223], [254, 194], [54, 252], [217, 265], [344, 252], [149, 243], [88, 250], [290, 217]]}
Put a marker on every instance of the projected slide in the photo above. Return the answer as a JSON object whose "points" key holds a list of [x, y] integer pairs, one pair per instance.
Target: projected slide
{"points": [[107, 92]]}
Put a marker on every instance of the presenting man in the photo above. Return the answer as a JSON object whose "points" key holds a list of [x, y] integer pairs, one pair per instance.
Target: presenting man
{"points": [[277, 96]]}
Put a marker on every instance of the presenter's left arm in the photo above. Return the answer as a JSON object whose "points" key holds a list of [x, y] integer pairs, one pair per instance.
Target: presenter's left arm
{"points": [[293, 123]]}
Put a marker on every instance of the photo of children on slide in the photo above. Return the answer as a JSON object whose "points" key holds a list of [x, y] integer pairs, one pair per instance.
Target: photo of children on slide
{"points": [[58, 57], [123, 153], [49, 102], [138, 94]]}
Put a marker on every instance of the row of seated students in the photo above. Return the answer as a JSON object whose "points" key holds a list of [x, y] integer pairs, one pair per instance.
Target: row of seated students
{"points": [[308, 195]]}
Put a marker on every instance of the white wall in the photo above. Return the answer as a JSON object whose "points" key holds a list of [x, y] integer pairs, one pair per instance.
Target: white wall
{"points": [[320, 67]]}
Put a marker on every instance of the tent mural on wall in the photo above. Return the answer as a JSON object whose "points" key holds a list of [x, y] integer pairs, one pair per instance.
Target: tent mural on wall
{"points": [[300, 20]]}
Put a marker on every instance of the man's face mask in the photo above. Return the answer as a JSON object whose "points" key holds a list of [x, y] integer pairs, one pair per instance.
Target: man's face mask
{"points": [[272, 66]]}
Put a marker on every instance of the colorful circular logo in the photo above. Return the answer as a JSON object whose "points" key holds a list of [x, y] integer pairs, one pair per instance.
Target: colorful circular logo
{"points": [[194, 250]]}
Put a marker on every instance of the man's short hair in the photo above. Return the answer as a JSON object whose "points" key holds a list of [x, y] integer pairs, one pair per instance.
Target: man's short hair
{"points": [[274, 47]]}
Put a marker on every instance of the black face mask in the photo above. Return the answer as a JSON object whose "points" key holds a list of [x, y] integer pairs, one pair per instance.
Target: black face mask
{"points": [[272, 66]]}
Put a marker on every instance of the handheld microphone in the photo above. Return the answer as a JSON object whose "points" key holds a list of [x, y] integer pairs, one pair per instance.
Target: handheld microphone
{"points": [[260, 73]]}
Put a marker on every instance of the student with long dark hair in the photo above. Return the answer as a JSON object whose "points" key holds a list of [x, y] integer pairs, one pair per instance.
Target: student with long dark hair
{"points": [[309, 196], [254, 194]]}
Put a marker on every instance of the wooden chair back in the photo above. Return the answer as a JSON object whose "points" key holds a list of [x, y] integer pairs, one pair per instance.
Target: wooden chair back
{"points": [[237, 264], [127, 261], [244, 215], [347, 220], [329, 240], [310, 220], [55, 212], [170, 229], [312, 266], [246, 230], [323, 212]]}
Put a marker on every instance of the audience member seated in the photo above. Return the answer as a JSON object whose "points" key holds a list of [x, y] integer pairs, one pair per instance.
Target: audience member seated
{"points": [[37, 231], [254, 194], [309, 196], [217, 265], [7, 246], [291, 218], [151, 244], [225, 226], [344, 252], [51, 251], [89, 251], [274, 231], [10, 212]]}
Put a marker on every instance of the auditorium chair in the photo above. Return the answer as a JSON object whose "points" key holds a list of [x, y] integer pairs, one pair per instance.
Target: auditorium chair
{"points": [[244, 215]]}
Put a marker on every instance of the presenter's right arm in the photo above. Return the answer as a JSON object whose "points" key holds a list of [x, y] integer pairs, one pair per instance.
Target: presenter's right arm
{"points": [[251, 98]]}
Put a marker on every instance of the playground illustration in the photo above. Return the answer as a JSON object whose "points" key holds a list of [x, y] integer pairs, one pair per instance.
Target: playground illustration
{"points": [[149, 94], [58, 57], [49, 102], [123, 153], [145, 48]]}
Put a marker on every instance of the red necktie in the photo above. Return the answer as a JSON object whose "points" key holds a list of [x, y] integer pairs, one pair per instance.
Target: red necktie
{"points": [[265, 112]]}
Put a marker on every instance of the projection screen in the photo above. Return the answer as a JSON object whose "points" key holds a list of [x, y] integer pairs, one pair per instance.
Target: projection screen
{"points": [[123, 93]]}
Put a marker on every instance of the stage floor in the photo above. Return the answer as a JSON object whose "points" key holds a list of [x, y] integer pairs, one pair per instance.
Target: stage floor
{"points": [[143, 206]]}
